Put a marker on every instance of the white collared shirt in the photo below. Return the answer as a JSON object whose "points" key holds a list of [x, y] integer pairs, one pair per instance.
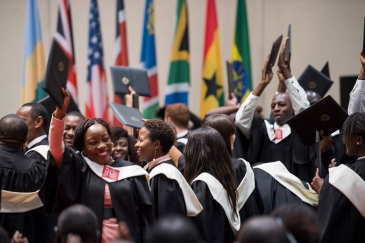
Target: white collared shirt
{"points": [[182, 134], [36, 140], [357, 98]]}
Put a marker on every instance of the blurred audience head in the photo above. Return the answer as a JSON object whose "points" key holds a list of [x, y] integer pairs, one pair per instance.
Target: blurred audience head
{"points": [[13, 130]]}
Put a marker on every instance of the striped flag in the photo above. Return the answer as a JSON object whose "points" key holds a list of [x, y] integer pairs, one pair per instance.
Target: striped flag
{"points": [[97, 95], [179, 76], [212, 92], [241, 55], [148, 60], [65, 40], [120, 47], [33, 65]]}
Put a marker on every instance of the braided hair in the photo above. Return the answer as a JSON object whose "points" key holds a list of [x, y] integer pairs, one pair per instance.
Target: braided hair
{"points": [[82, 128], [206, 151], [160, 130], [354, 125]]}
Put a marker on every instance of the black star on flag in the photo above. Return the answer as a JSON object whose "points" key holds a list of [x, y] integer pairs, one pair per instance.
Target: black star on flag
{"points": [[212, 86]]}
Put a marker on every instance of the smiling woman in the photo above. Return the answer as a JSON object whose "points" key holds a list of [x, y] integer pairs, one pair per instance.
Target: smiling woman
{"points": [[123, 145], [93, 178]]}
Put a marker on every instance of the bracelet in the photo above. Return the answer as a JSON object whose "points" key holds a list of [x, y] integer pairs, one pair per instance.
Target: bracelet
{"points": [[361, 78]]}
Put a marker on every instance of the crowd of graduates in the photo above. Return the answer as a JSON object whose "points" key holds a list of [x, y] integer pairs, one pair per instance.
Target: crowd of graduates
{"points": [[233, 177]]}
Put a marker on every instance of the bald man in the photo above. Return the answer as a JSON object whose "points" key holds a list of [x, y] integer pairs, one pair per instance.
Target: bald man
{"points": [[259, 141], [21, 177], [263, 229]]}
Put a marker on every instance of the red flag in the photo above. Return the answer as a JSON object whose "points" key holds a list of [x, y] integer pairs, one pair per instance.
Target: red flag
{"points": [[65, 40], [120, 47]]}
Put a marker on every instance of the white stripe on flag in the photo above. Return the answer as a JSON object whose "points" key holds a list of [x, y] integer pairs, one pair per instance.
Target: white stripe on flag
{"points": [[73, 91], [121, 16], [175, 88], [151, 71], [150, 102], [117, 48], [99, 92]]}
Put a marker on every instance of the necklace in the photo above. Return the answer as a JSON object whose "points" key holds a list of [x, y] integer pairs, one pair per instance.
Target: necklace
{"points": [[363, 157]]}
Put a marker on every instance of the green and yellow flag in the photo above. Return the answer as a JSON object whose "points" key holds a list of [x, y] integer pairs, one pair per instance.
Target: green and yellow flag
{"points": [[241, 55]]}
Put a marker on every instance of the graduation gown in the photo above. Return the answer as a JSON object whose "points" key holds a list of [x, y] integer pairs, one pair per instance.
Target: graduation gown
{"points": [[253, 205], [275, 194], [339, 218], [167, 196], [212, 222], [19, 173], [297, 157], [130, 196]]}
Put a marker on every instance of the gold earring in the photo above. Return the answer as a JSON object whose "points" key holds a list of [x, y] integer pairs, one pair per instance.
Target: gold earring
{"points": [[358, 143], [154, 157], [82, 153]]}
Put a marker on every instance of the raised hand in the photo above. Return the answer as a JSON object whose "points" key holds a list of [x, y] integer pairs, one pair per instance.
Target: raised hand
{"points": [[317, 183], [266, 77], [282, 62], [231, 101], [60, 113]]}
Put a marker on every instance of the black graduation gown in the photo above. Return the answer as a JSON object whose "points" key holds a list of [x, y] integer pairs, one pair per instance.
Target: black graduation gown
{"points": [[167, 196], [212, 222], [340, 220], [253, 205], [47, 193], [274, 194], [297, 157], [181, 146], [131, 196], [19, 173]]}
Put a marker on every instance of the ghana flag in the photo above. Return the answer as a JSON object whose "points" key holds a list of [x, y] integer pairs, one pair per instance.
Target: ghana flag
{"points": [[179, 76], [212, 92], [241, 55]]}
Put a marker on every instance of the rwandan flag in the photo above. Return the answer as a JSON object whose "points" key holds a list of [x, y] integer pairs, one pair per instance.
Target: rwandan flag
{"points": [[212, 92], [148, 60], [179, 76], [241, 55], [33, 66]]}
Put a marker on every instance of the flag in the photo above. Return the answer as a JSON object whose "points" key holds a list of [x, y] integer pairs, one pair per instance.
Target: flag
{"points": [[97, 95], [148, 60], [241, 55], [179, 75], [64, 38], [33, 65], [120, 47], [212, 92]]}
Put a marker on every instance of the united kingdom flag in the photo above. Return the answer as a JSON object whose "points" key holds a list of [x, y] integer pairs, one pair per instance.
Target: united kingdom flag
{"points": [[97, 95], [65, 40]]}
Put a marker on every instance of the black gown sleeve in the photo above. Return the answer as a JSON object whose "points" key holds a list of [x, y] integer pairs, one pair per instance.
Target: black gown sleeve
{"points": [[212, 222], [167, 196], [70, 179]]}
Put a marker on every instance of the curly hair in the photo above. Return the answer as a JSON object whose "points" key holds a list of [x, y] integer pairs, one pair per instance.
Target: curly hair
{"points": [[206, 151], [179, 114], [224, 125], [81, 129], [160, 130], [118, 133], [354, 125]]}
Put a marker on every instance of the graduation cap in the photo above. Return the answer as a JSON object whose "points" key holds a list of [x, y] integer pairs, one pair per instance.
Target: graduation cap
{"points": [[288, 48], [312, 79], [56, 74], [324, 115], [127, 115], [230, 78], [123, 77], [274, 53], [326, 70]]}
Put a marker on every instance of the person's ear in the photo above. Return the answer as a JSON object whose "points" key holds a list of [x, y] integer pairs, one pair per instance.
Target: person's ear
{"points": [[157, 144], [38, 122], [167, 119], [359, 140]]}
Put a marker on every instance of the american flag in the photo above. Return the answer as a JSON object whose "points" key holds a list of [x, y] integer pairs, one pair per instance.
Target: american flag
{"points": [[97, 95], [65, 40], [120, 47]]}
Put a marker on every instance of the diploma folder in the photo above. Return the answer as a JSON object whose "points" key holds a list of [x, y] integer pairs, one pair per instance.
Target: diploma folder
{"points": [[312, 79], [137, 78], [274, 53], [127, 115], [324, 115], [56, 74]]}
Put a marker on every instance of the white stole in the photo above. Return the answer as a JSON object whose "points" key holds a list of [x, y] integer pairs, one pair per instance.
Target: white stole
{"points": [[246, 186], [19, 202], [350, 184], [290, 181], [41, 149], [220, 195], [112, 174], [193, 206]]}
